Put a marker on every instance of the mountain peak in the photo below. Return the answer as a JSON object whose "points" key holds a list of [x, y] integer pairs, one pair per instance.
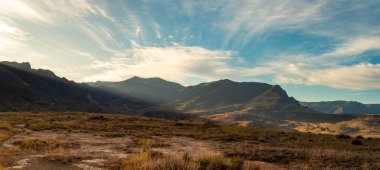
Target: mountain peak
{"points": [[135, 78], [278, 90], [150, 89], [22, 66], [23, 89], [224, 81]]}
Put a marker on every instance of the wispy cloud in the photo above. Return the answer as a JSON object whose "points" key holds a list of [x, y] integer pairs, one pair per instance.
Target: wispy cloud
{"points": [[24, 10], [174, 63], [254, 17], [103, 40], [359, 77], [330, 69], [356, 46], [177, 63]]}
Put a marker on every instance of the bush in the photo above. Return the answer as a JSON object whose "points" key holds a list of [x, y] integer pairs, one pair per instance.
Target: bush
{"points": [[359, 137], [237, 164], [212, 163], [156, 154], [209, 124], [40, 145], [62, 159], [186, 157], [2, 167], [356, 142], [136, 160], [343, 136]]}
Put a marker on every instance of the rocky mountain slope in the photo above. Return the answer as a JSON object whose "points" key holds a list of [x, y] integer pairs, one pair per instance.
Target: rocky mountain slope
{"points": [[25, 89], [225, 100], [343, 107]]}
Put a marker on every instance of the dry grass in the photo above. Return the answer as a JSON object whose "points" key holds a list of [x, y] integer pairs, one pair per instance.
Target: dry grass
{"points": [[289, 149], [62, 158], [153, 160], [37, 145], [2, 167], [146, 143], [4, 136]]}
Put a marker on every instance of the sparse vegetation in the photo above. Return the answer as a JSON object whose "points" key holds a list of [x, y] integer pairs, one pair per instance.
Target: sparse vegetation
{"points": [[39, 145], [154, 160], [62, 159], [343, 136], [357, 142], [1, 163], [359, 137], [239, 146]]}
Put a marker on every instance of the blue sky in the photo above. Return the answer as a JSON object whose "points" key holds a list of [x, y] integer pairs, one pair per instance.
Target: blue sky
{"points": [[317, 50]]}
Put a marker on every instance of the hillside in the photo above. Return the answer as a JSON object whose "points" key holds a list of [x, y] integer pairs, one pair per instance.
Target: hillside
{"points": [[152, 89], [217, 94], [25, 89], [224, 100], [343, 107], [244, 103]]}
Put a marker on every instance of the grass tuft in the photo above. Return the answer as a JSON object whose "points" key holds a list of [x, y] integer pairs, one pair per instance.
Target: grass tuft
{"points": [[40, 145]]}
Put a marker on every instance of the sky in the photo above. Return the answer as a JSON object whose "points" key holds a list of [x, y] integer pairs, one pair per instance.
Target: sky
{"points": [[317, 50]]}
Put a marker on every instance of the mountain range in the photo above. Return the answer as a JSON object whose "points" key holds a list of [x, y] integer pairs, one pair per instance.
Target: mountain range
{"points": [[343, 107], [154, 90], [245, 103], [224, 100], [25, 89]]}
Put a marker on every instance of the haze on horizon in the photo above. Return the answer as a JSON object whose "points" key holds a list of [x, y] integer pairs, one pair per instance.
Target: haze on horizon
{"points": [[316, 50]]}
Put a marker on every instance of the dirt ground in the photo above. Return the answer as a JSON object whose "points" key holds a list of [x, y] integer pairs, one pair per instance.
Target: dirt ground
{"points": [[94, 150]]}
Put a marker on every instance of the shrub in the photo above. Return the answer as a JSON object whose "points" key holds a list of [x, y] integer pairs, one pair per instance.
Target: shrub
{"points": [[359, 137], [212, 163], [237, 164], [4, 136], [98, 118], [170, 163], [252, 166], [5, 126], [356, 142], [155, 154], [62, 159], [39, 145], [343, 136], [141, 158], [186, 157], [135, 161], [209, 124], [2, 167], [1, 164]]}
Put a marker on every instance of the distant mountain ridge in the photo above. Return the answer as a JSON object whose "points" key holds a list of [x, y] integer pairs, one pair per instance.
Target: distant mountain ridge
{"points": [[343, 107], [225, 100], [25, 89], [154, 89], [218, 94]]}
